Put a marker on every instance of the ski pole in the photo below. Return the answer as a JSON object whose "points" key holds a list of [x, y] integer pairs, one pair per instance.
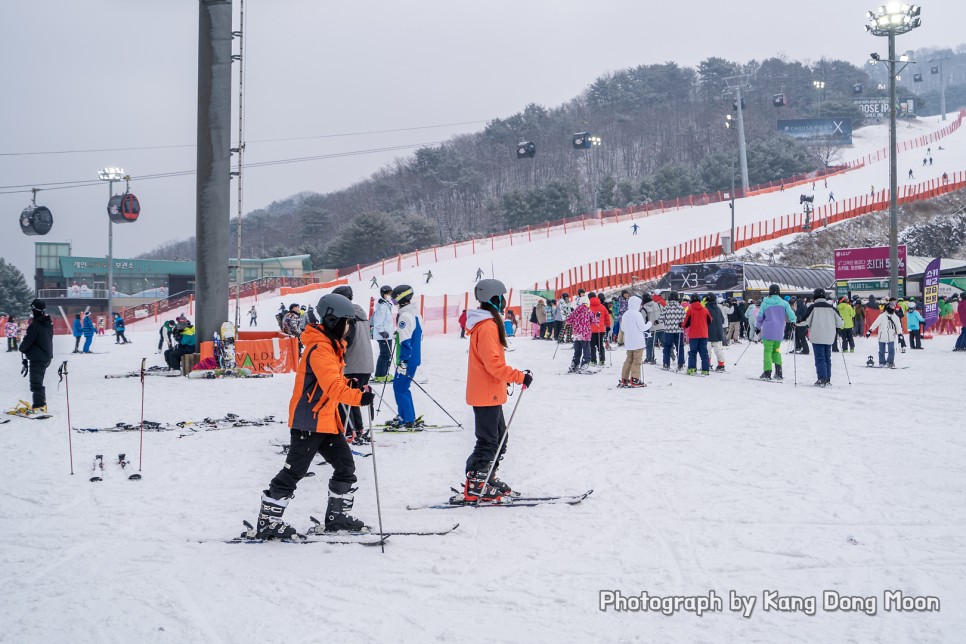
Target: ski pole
{"points": [[846, 365], [496, 455], [748, 345], [434, 400], [388, 404], [392, 350], [375, 476], [141, 441], [556, 350], [62, 373], [795, 365]]}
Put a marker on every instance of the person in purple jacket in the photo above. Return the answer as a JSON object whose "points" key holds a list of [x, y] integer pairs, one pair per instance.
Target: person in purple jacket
{"points": [[961, 310], [770, 324]]}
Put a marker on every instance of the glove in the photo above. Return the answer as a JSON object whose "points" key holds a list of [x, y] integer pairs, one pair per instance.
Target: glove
{"points": [[401, 369], [527, 379], [757, 330], [367, 397], [384, 335], [869, 334], [26, 368]]}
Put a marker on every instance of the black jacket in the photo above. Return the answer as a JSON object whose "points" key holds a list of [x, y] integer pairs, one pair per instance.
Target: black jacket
{"points": [[716, 326], [38, 343]]}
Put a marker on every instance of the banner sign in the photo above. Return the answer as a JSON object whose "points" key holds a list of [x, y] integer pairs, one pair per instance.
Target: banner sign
{"points": [[837, 131], [865, 263], [930, 293], [707, 276], [528, 302], [878, 107]]}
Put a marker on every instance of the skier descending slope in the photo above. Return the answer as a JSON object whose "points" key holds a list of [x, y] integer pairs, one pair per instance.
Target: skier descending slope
{"points": [[770, 325], [315, 425], [486, 382]]}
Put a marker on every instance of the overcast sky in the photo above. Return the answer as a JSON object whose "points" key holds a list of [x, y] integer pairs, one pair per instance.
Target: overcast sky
{"points": [[94, 74]]}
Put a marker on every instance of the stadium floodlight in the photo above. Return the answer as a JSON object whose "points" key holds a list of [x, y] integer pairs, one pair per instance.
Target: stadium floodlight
{"points": [[891, 20], [110, 175]]}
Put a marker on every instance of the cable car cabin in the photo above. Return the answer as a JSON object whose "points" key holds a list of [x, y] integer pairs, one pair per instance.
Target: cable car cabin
{"points": [[123, 209], [36, 220]]}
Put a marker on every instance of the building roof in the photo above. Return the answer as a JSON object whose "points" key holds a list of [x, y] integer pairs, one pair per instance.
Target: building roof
{"points": [[916, 266], [758, 277]]}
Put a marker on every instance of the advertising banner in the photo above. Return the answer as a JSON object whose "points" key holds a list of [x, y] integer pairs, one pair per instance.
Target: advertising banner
{"points": [[930, 294], [836, 131], [866, 263], [707, 276], [528, 302]]}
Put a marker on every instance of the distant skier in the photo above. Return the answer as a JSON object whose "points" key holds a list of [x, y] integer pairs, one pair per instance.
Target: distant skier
{"points": [[119, 337], [912, 176], [634, 228], [479, 274], [252, 316], [831, 197], [374, 283], [382, 330], [429, 276], [88, 330]]}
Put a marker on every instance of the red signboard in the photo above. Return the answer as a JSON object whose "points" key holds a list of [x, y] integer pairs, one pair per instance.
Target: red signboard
{"points": [[864, 263]]}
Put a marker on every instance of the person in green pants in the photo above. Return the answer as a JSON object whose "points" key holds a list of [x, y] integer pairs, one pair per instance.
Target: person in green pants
{"points": [[770, 324]]}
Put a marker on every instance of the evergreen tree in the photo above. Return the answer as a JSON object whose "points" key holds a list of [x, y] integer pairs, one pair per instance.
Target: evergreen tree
{"points": [[15, 294]]}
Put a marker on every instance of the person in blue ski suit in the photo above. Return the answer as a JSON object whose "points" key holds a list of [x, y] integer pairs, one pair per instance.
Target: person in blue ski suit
{"points": [[409, 337], [88, 330], [78, 330]]}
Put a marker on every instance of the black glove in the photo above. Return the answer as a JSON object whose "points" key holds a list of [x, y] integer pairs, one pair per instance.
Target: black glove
{"points": [[869, 334], [26, 368], [353, 383], [367, 398], [384, 335], [527, 379]]}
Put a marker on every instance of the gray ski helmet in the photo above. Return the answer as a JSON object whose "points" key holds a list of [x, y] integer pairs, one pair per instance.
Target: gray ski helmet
{"points": [[344, 290], [334, 307], [402, 293], [774, 290], [488, 289]]}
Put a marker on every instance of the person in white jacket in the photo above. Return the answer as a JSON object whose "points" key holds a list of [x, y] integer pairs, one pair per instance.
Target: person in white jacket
{"points": [[635, 329], [888, 325], [383, 328]]}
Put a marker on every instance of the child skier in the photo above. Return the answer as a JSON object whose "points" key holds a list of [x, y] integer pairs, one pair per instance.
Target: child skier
{"points": [[316, 427], [770, 322], [409, 339], [486, 383], [580, 322], [914, 321]]}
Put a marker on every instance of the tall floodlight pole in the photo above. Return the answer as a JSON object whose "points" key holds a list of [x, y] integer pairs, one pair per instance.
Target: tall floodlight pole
{"points": [[213, 188], [240, 151], [890, 20], [735, 85], [110, 175]]}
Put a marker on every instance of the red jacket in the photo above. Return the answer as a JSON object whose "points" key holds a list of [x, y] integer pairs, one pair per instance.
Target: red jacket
{"points": [[463, 320], [660, 300], [601, 315], [696, 321]]}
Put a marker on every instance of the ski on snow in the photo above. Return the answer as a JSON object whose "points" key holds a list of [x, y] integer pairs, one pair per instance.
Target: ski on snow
{"points": [[333, 539], [776, 381], [507, 502], [388, 533]]}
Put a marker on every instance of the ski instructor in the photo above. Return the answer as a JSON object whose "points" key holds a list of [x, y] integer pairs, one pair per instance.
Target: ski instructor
{"points": [[316, 427], [486, 384]]}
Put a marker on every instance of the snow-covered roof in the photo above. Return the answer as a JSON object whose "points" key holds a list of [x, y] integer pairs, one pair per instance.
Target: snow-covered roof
{"points": [[916, 266]]}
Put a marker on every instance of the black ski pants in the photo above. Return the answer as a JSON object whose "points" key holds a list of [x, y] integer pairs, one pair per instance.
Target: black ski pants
{"points": [[915, 339], [301, 451], [801, 339], [382, 364], [38, 369], [354, 422], [490, 429], [597, 346], [848, 342]]}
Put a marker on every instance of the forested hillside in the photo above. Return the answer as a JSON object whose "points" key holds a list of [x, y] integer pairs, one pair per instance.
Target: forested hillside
{"points": [[663, 135]]}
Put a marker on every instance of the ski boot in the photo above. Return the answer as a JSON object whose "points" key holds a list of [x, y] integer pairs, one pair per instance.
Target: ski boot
{"points": [[336, 514], [720, 368], [821, 383], [705, 372], [363, 438], [778, 372], [270, 524], [870, 362], [637, 383], [765, 375], [691, 371], [623, 383], [476, 489]]}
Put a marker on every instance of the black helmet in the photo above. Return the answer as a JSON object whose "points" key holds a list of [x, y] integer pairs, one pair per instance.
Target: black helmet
{"points": [[402, 294], [819, 292], [38, 305], [344, 290], [385, 289], [487, 290], [774, 290], [673, 296], [334, 307]]}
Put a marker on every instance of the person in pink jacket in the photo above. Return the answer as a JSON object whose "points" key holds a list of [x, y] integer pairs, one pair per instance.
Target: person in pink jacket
{"points": [[580, 320]]}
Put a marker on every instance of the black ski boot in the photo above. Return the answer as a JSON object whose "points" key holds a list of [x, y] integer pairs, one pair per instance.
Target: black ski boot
{"points": [[765, 375], [778, 372], [340, 503], [270, 524], [476, 489]]}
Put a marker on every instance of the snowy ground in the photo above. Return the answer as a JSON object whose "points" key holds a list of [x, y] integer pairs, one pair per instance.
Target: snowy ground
{"points": [[709, 484]]}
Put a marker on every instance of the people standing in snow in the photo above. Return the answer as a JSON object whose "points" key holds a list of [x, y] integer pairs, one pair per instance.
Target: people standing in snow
{"points": [[87, 328], [914, 322], [316, 426], [119, 337], [539, 319], [598, 327], [11, 330], [635, 340], [38, 350], [487, 377], [77, 328], [889, 326], [716, 330], [961, 311], [560, 311], [462, 322], [564, 309], [801, 331], [823, 323], [672, 317], [165, 332], [751, 311], [252, 316], [409, 355], [770, 322], [383, 329], [697, 320], [858, 324], [580, 322], [729, 308], [651, 311], [290, 321], [847, 313], [358, 365], [511, 319]]}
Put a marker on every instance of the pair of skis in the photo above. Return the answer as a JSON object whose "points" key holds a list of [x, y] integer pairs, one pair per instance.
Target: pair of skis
{"points": [[316, 535], [97, 470], [26, 410]]}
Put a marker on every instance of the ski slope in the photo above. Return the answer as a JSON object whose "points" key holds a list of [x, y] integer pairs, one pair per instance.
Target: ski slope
{"points": [[699, 484]]}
